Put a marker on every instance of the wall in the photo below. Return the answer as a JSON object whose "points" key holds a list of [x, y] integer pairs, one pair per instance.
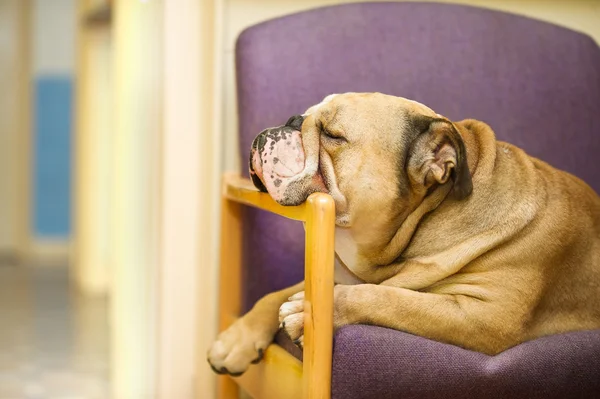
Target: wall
{"points": [[14, 76], [53, 58], [92, 139], [9, 40], [36, 67], [581, 15], [134, 225]]}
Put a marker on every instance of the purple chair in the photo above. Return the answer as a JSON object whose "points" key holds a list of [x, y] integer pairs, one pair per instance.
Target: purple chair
{"points": [[536, 84]]}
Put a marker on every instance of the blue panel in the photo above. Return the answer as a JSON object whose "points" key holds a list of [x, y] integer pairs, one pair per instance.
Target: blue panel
{"points": [[52, 157]]}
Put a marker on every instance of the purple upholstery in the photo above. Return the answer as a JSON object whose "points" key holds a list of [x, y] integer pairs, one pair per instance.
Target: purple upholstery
{"points": [[536, 84], [376, 362], [380, 363]]}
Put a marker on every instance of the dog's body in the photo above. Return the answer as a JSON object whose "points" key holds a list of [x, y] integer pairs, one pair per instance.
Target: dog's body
{"points": [[449, 234]]}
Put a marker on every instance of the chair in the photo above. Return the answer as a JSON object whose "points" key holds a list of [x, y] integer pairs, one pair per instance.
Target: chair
{"points": [[536, 84]]}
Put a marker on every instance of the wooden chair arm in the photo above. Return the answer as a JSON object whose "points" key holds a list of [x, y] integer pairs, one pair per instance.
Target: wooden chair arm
{"points": [[239, 189], [318, 213]]}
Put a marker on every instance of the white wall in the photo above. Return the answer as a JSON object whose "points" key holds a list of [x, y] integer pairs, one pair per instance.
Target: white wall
{"points": [[581, 15], [53, 37]]}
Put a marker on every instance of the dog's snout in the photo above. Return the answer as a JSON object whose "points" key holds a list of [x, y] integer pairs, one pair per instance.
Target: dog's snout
{"points": [[295, 122], [255, 162], [277, 158]]}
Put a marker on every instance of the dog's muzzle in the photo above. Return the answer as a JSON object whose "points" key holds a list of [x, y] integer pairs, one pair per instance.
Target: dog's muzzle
{"points": [[278, 164]]}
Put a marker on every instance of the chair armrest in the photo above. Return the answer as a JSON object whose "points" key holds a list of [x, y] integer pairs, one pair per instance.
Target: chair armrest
{"points": [[239, 189], [318, 213]]}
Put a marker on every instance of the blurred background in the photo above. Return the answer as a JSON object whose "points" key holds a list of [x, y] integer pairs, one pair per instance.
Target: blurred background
{"points": [[116, 120]]}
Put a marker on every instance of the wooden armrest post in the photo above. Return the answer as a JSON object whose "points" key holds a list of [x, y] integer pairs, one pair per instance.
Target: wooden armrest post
{"points": [[318, 212], [229, 281], [318, 301]]}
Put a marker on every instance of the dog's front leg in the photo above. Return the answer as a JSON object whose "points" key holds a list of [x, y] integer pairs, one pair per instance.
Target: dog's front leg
{"points": [[484, 325], [245, 341]]}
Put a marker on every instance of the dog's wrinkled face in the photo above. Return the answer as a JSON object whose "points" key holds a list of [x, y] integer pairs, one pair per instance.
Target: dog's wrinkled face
{"points": [[368, 150]]}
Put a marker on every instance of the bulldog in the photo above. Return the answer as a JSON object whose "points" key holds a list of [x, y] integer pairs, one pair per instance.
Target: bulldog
{"points": [[442, 231]]}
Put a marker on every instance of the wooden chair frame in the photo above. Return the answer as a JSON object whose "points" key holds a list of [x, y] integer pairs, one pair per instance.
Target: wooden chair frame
{"points": [[280, 375]]}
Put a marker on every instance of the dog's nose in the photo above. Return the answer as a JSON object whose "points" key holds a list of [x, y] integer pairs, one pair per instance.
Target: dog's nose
{"points": [[255, 162], [295, 122]]}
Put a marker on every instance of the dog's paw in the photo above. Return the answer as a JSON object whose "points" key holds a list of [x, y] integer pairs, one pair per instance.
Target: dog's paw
{"points": [[291, 318], [238, 347]]}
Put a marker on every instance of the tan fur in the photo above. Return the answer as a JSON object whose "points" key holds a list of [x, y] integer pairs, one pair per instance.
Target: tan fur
{"points": [[517, 259]]}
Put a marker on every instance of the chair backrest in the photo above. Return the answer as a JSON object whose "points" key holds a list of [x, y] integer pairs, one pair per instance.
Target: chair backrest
{"points": [[536, 84]]}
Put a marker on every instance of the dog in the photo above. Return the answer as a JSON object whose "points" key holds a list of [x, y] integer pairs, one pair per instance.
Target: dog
{"points": [[441, 231]]}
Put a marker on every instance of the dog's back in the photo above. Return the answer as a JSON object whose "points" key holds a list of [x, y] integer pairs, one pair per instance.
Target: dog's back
{"points": [[571, 299]]}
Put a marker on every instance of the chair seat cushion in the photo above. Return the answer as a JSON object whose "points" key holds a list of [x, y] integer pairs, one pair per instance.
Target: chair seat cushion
{"points": [[377, 362]]}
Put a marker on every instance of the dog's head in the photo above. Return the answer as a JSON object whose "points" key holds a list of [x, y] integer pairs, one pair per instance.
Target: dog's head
{"points": [[373, 153]]}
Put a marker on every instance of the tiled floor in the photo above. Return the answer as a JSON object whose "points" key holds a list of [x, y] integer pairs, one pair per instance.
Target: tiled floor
{"points": [[53, 342]]}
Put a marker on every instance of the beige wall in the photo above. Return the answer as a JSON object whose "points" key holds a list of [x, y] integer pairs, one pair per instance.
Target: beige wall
{"points": [[147, 107], [14, 125], [164, 192], [92, 157], [581, 15], [9, 34], [134, 226]]}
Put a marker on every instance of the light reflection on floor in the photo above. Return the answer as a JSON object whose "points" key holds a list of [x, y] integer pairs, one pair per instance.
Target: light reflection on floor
{"points": [[53, 342]]}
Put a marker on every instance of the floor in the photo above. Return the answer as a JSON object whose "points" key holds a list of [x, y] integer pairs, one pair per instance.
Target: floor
{"points": [[53, 342]]}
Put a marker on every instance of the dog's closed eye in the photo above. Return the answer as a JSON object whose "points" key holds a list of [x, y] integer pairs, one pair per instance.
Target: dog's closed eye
{"points": [[333, 135]]}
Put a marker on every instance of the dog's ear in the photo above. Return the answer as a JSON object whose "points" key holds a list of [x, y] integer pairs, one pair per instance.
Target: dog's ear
{"points": [[438, 154]]}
